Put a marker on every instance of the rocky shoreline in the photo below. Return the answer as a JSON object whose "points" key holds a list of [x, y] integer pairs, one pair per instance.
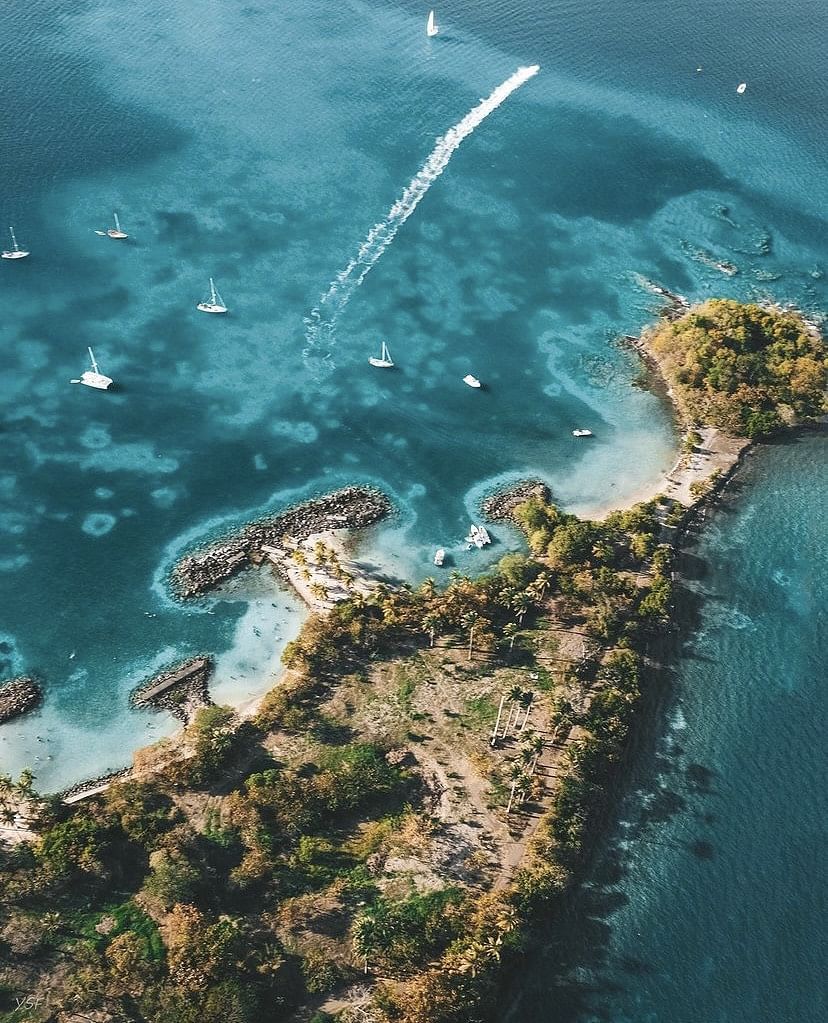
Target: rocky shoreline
{"points": [[181, 688], [500, 506], [349, 508], [17, 696], [91, 786]]}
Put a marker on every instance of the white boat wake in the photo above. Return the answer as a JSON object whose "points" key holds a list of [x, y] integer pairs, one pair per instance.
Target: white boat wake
{"points": [[320, 324]]}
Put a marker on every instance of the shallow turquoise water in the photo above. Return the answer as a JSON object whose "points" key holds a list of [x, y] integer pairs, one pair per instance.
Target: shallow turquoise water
{"points": [[710, 900], [260, 147]]}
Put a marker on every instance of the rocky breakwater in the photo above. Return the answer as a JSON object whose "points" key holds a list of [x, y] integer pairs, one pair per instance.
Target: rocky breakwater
{"points": [[349, 508], [181, 688], [500, 506], [17, 695]]}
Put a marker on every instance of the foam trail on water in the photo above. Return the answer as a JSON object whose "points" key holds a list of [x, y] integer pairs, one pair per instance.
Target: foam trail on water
{"points": [[320, 324]]}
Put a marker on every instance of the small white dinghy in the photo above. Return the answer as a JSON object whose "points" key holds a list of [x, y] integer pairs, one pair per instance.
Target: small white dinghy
{"points": [[215, 304], [440, 557], [116, 232], [431, 25], [384, 361], [15, 252], [740, 88], [93, 377], [471, 381], [582, 433]]}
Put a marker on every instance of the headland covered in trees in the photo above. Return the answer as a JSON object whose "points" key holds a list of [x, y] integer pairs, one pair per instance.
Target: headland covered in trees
{"points": [[421, 788]]}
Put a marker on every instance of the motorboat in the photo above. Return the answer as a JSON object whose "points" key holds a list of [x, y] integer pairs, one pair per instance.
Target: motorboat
{"points": [[471, 381], [94, 377], [384, 361], [740, 88], [440, 557], [15, 252], [215, 303], [582, 433]]}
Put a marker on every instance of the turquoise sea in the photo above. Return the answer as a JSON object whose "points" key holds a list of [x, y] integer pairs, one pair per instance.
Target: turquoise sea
{"points": [[266, 145]]}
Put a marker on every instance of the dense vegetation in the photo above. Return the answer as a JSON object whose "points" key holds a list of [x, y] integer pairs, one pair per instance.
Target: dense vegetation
{"points": [[742, 367], [224, 883]]}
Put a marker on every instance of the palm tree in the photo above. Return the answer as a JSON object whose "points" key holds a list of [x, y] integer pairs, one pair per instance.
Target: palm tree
{"points": [[521, 603], [542, 583], [24, 782], [469, 621], [518, 776], [431, 622], [428, 588], [515, 696], [497, 722], [527, 702], [537, 744], [510, 632]]}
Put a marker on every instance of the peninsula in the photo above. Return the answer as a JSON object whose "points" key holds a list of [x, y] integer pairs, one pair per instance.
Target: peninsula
{"points": [[421, 788]]}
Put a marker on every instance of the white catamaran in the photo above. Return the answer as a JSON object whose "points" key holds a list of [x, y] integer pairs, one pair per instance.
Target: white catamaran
{"points": [[15, 252], [384, 361], [431, 25], [93, 377], [215, 304]]}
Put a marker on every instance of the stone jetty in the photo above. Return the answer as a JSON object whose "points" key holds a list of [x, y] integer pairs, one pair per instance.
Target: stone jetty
{"points": [[204, 569], [17, 695], [500, 506], [181, 688]]}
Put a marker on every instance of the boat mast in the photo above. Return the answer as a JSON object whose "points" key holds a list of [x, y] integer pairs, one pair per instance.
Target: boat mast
{"points": [[212, 293], [14, 240], [92, 357], [117, 223]]}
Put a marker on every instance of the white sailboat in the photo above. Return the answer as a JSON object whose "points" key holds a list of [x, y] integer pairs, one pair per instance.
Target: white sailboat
{"points": [[215, 304], [384, 361], [431, 25], [15, 252], [471, 381], [93, 377], [116, 232]]}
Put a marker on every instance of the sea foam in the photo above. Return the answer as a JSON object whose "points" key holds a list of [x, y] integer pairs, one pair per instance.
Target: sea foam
{"points": [[320, 324]]}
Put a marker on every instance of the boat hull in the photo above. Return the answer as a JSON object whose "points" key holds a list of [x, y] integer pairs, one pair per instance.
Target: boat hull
{"points": [[471, 381], [381, 363], [112, 233], [209, 307], [96, 380], [16, 254]]}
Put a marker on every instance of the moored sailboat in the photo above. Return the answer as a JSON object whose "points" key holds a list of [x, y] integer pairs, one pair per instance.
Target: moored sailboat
{"points": [[116, 232], [94, 377], [215, 303], [384, 361], [15, 252], [431, 25]]}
